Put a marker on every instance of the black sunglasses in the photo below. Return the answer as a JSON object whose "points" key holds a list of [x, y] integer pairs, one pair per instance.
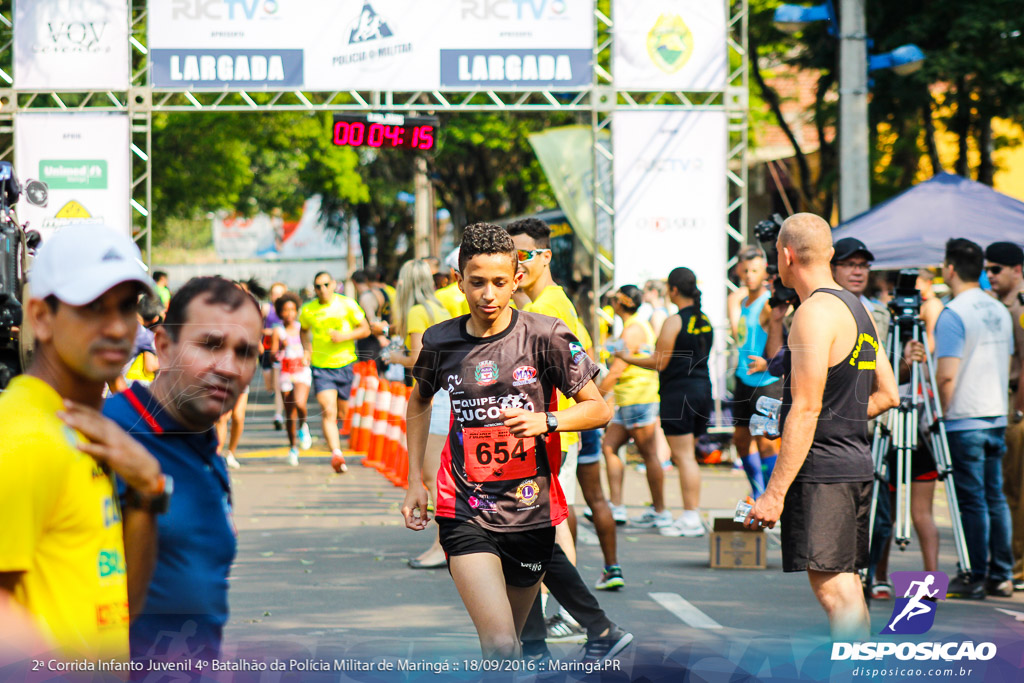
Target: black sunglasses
{"points": [[323, 285], [995, 270]]}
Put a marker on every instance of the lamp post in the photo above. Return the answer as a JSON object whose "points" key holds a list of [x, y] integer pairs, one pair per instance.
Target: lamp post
{"points": [[854, 64]]}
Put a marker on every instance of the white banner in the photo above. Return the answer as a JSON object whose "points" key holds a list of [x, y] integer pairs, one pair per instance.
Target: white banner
{"points": [[83, 157], [670, 200], [71, 45], [670, 45], [264, 237], [371, 44]]}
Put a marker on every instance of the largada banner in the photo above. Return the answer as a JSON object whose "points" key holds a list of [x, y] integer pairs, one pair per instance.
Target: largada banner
{"points": [[371, 44], [71, 45], [84, 160], [670, 191], [670, 45]]}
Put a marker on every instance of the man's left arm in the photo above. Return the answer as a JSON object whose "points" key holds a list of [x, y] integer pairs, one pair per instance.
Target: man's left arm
{"points": [[810, 339], [140, 545]]}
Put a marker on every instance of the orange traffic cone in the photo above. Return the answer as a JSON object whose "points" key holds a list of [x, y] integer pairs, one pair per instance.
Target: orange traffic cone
{"points": [[361, 435], [359, 370], [380, 422]]}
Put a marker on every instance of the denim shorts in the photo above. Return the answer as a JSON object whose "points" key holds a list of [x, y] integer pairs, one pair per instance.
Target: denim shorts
{"points": [[590, 447], [441, 413], [635, 416]]}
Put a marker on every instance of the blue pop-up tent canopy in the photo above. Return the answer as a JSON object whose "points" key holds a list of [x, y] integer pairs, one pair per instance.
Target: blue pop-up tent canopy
{"points": [[911, 229]]}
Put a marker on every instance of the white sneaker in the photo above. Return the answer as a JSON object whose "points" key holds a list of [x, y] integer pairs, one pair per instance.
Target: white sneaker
{"points": [[619, 514], [305, 440], [653, 520], [293, 457], [683, 527], [231, 461]]}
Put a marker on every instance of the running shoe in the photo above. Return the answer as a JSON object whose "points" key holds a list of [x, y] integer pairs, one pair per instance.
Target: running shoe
{"points": [[619, 514], [1000, 589], [231, 462], [305, 440], [960, 589], [563, 631], [599, 650], [653, 520], [683, 527], [588, 513], [611, 579], [881, 590], [293, 456], [278, 421]]}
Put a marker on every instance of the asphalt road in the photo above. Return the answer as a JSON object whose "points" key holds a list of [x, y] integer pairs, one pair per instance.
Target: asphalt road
{"points": [[321, 573]]}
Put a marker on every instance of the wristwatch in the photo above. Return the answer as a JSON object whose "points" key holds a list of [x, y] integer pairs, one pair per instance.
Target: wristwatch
{"points": [[156, 504], [552, 422]]}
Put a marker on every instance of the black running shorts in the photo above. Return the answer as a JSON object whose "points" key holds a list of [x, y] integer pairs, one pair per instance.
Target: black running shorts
{"points": [[686, 411], [524, 554], [825, 527]]}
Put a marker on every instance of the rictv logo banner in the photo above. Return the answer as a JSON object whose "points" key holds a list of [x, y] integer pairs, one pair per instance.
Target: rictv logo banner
{"points": [[914, 612]]}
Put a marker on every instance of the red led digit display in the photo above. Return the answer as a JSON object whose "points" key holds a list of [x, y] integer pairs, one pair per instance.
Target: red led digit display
{"points": [[385, 131]]}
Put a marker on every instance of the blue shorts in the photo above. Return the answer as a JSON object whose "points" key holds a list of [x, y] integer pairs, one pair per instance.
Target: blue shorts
{"points": [[636, 416], [590, 447], [333, 379]]}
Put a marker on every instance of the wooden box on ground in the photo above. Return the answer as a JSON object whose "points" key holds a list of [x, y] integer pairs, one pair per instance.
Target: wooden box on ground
{"points": [[734, 547]]}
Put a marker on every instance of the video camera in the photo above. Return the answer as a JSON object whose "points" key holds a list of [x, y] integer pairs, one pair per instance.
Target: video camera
{"points": [[16, 243], [905, 305], [767, 233]]}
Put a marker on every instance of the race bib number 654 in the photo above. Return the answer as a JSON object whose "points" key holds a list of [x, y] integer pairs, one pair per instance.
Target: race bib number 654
{"points": [[493, 454]]}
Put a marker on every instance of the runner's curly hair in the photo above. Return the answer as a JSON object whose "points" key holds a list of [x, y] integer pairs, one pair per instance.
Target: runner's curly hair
{"points": [[485, 238]]}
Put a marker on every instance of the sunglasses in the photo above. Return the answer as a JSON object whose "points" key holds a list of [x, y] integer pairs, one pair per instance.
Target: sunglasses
{"points": [[323, 285], [993, 270], [529, 254]]}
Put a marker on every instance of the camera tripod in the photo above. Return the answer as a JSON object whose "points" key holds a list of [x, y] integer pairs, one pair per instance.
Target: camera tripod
{"points": [[898, 429]]}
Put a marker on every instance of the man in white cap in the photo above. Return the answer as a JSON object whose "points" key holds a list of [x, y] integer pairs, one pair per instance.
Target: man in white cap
{"points": [[62, 550]]}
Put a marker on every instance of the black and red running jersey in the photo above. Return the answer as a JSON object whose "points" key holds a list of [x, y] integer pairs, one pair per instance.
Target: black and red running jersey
{"points": [[487, 475]]}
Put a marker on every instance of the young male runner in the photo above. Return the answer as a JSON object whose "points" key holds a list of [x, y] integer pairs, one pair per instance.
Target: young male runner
{"points": [[498, 493]]}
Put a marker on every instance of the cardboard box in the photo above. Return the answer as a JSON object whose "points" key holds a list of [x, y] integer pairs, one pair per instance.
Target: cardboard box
{"points": [[735, 547]]}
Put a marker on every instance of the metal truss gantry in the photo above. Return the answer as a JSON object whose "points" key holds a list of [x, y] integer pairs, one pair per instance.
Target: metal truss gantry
{"points": [[601, 100]]}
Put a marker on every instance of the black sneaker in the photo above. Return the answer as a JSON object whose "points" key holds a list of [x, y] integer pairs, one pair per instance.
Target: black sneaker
{"points": [[562, 631], [1000, 589], [598, 650], [1018, 584], [959, 589]]}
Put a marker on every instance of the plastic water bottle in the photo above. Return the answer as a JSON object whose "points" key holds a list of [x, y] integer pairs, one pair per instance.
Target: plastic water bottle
{"points": [[613, 346], [763, 425], [771, 407]]}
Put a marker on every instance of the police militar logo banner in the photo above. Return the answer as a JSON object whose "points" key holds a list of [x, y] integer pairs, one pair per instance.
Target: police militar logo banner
{"points": [[371, 44]]}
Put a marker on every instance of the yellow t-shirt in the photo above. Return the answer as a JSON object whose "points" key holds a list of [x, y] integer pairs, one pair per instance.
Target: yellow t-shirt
{"points": [[61, 524], [554, 302], [452, 298], [636, 385], [420, 319], [340, 314], [137, 370]]}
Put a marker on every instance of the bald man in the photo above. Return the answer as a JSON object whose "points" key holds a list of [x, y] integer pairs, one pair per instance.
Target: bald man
{"points": [[837, 377]]}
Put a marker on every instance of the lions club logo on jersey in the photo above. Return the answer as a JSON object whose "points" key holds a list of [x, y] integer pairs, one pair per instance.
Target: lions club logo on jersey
{"points": [[486, 373], [528, 492], [524, 374]]}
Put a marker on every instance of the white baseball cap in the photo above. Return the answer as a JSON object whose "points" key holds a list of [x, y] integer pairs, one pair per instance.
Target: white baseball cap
{"points": [[81, 262], [452, 260]]}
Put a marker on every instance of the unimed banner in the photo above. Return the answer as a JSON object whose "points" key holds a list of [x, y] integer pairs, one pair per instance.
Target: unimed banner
{"points": [[670, 199], [71, 45], [670, 45], [84, 159], [371, 44]]}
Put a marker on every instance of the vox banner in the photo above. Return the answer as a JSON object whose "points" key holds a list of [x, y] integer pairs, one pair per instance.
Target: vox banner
{"points": [[84, 159], [670, 45], [71, 45], [670, 199]]}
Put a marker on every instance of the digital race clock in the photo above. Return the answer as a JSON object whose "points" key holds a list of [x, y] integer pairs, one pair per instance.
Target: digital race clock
{"points": [[385, 130]]}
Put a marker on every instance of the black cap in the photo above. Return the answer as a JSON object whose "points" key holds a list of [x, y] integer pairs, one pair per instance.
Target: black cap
{"points": [[848, 246], [1005, 254]]}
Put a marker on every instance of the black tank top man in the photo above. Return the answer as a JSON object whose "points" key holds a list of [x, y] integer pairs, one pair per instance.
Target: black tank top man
{"points": [[841, 450]]}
